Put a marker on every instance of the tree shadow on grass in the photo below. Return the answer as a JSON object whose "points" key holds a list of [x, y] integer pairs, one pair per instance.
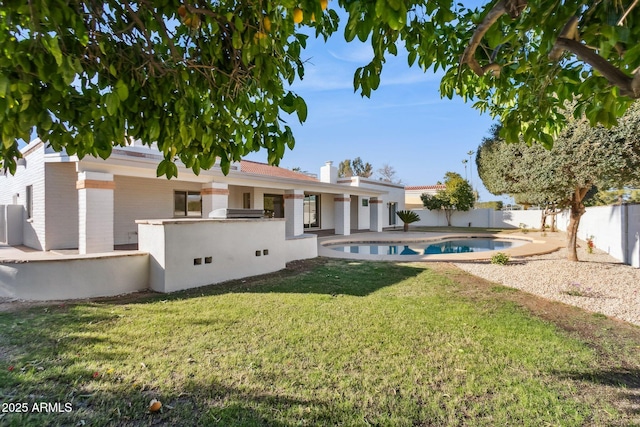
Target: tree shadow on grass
{"points": [[615, 377], [194, 405]]}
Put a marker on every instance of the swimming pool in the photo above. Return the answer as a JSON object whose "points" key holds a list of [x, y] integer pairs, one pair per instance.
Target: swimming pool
{"points": [[433, 247]]}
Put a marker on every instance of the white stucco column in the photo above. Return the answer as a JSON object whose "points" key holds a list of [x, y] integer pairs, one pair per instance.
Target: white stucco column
{"points": [[215, 195], [375, 210], [342, 203], [294, 212], [364, 217], [95, 212]]}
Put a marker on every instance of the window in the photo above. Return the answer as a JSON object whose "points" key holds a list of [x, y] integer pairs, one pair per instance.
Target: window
{"points": [[311, 210], [274, 206], [29, 202], [393, 208], [187, 203]]}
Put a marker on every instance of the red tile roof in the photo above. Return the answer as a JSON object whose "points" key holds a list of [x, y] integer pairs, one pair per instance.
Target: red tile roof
{"points": [[265, 169], [427, 187]]}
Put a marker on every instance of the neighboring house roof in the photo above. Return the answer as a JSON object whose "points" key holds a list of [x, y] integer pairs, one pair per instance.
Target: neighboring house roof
{"points": [[426, 187], [268, 170]]}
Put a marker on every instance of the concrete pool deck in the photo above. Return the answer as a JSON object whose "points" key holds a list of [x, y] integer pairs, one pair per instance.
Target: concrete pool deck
{"points": [[537, 244]]}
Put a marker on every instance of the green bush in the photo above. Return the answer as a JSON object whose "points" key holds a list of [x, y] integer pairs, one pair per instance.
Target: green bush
{"points": [[407, 218], [500, 258]]}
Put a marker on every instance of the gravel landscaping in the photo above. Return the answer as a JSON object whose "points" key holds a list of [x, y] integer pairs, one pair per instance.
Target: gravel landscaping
{"points": [[598, 283]]}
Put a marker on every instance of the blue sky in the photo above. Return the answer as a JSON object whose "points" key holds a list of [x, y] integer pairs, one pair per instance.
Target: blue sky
{"points": [[405, 123]]}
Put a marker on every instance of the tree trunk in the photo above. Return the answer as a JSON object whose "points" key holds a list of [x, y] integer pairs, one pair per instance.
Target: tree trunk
{"points": [[447, 214], [543, 220], [577, 210], [405, 228]]}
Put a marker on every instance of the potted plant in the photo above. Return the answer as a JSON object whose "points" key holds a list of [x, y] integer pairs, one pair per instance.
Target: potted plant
{"points": [[407, 217]]}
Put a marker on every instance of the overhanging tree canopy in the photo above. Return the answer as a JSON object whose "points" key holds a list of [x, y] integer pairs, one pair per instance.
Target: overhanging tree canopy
{"points": [[582, 158], [208, 80]]}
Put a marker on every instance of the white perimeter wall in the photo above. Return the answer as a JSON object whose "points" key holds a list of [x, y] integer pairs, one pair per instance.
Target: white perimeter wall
{"points": [[615, 229], [74, 277], [479, 218]]}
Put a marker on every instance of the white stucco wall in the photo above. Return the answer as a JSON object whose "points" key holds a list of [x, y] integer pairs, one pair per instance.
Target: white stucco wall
{"points": [[611, 231], [327, 211], [74, 277], [232, 245], [394, 193], [32, 173], [141, 198], [477, 218], [300, 247]]}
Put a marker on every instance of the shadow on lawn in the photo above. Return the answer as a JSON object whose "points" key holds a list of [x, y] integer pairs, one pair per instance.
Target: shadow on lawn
{"points": [[316, 276], [614, 377], [196, 404]]}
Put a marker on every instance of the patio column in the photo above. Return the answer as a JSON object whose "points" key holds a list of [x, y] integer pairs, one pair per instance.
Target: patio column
{"points": [[342, 203], [294, 212], [95, 212], [215, 195], [375, 211]]}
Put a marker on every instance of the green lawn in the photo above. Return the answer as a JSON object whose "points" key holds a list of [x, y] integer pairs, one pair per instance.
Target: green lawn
{"points": [[325, 343]]}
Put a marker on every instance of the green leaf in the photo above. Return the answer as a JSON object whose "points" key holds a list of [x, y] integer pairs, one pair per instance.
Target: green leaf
{"points": [[122, 90], [113, 102], [301, 109], [4, 85], [51, 44]]}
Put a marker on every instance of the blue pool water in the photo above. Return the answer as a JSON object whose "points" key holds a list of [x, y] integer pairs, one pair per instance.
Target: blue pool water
{"points": [[453, 246]]}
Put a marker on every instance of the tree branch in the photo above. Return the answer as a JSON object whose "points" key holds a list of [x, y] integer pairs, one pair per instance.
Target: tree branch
{"points": [[629, 86], [569, 31], [511, 7], [634, 4]]}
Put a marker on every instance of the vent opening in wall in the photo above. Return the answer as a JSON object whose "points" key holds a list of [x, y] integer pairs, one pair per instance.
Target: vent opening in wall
{"points": [[197, 261]]}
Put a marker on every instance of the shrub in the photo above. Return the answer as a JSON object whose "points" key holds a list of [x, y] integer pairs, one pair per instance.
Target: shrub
{"points": [[500, 258], [407, 218]]}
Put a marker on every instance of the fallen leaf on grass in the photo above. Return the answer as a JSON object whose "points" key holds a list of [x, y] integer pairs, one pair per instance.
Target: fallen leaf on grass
{"points": [[154, 405]]}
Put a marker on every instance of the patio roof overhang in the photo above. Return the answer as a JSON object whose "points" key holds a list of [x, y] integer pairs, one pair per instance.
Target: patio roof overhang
{"points": [[142, 163]]}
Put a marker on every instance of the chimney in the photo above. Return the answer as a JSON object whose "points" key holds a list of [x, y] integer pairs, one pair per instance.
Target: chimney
{"points": [[329, 173]]}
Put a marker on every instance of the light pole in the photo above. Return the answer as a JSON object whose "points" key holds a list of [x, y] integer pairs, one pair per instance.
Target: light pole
{"points": [[471, 153], [464, 162]]}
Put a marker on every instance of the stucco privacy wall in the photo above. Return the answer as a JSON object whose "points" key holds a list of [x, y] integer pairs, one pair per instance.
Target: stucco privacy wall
{"points": [[74, 277], [187, 253], [136, 198], [13, 191], [615, 230], [479, 218]]}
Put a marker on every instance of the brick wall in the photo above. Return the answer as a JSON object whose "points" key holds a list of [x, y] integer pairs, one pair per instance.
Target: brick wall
{"points": [[32, 173], [61, 203]]}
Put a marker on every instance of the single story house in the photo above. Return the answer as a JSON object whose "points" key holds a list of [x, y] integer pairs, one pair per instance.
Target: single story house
{"points": [[412, 194], [92, 204]]}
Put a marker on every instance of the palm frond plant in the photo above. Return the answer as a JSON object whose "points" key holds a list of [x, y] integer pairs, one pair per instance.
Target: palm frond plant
{"points": [[407, 217]]}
